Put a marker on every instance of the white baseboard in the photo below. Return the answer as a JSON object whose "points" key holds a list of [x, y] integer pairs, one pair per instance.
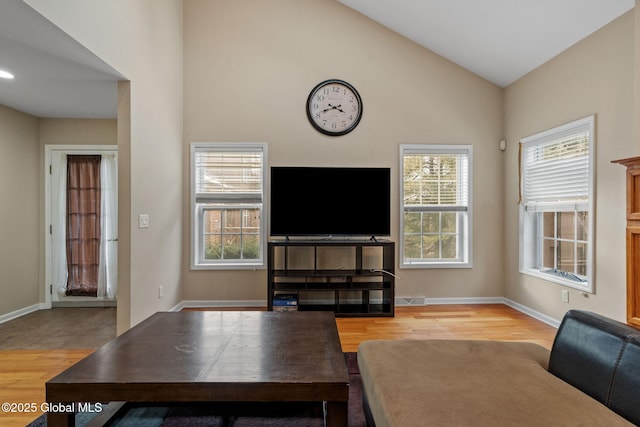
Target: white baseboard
{"points": [[21, 312], [465, 300], [418, 301], [532, 313]]}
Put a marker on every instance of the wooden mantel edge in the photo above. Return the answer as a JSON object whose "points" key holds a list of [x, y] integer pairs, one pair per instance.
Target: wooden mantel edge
{"points": [[631, 161]]}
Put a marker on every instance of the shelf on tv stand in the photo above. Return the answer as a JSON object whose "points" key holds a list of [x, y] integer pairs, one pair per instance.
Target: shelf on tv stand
{"points": [[349, 277]]}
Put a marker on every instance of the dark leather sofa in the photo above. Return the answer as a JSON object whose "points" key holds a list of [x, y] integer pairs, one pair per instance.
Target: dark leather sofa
{"points": [[601, 357]]}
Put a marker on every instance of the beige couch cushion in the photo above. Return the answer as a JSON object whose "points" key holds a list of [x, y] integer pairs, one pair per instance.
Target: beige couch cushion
{"points": [[464, 383]]}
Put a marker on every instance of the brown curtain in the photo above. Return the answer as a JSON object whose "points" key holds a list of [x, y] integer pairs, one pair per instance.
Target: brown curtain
{"points": [[83, 224]]}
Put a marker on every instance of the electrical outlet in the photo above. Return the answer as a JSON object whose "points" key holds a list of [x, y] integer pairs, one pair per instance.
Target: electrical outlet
{"points": [[565, 295], [160, 292]]}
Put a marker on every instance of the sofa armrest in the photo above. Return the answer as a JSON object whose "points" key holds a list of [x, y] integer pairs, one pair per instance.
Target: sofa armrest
{"points": [[624, 397], [587, 353]]}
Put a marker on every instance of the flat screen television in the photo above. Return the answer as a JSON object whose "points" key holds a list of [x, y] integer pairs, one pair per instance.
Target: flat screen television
{"points": [[330, 201]]}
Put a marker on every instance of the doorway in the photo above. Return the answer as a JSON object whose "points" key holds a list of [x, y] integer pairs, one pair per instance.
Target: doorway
{"points": [[58, 234]]}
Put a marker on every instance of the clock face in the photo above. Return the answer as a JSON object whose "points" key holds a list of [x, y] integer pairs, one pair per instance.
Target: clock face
{"points": [[334, 107]]}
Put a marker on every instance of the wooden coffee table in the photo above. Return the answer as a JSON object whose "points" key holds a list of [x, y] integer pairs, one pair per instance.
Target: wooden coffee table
{"points": [[206, 356]]}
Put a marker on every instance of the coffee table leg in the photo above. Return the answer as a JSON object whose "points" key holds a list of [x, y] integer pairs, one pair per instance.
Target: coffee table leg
{"points": [[336, 414]]}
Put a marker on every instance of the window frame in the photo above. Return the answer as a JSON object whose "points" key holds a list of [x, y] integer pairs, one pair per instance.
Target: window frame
{"points": [[197, 209], [464, 222], [532, 236]]}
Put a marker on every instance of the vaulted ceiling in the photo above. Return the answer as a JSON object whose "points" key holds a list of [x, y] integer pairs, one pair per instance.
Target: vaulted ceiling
{"points": [[499, 40]]}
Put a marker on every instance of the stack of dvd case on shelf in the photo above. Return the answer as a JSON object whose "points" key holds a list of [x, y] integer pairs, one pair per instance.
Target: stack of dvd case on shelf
{"points": [[285, 302]]}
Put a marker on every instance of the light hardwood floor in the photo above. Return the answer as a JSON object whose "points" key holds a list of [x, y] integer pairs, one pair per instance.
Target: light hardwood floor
{"points": [[23, 373], [479, 322]]}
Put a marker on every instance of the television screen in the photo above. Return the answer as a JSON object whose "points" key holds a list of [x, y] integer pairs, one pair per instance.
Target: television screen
{"points": [[326, 201]]}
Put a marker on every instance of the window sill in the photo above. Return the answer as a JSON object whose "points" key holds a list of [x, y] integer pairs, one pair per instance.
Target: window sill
{"points": [[439, 264], [229, 266], [582, 286]]}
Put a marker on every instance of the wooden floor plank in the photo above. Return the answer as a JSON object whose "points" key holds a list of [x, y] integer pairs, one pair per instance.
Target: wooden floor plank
{"points": [[23, 373]]}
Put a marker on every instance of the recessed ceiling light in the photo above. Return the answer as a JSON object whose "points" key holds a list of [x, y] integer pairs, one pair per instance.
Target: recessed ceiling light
{"points": [[5, 74]]}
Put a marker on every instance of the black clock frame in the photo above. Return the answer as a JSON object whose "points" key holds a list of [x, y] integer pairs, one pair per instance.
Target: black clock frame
{"points": [[326, 131]]}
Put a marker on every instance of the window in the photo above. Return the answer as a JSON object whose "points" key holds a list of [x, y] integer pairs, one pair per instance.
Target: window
{"points": [[227, 205], [435, 197], [556, 207]]}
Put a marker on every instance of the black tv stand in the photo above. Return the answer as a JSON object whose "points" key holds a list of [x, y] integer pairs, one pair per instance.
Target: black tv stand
{"points": [[349, 277]]}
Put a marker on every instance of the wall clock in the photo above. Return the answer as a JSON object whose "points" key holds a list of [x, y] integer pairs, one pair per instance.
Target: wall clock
{"points": [[334, 107]]}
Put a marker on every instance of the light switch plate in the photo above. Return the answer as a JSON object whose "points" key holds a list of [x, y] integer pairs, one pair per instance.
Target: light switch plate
{"points": [[143, 221]]}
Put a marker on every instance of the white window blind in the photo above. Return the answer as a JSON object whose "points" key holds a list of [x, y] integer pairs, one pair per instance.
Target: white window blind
{"points": [[436, 181], [556, 170], [228, 176]]}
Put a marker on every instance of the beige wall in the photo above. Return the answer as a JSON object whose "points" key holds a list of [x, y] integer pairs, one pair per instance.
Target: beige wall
{"points": [[248, 69], [142, 39], [596, 76], [76, 132], [19, 211]]}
